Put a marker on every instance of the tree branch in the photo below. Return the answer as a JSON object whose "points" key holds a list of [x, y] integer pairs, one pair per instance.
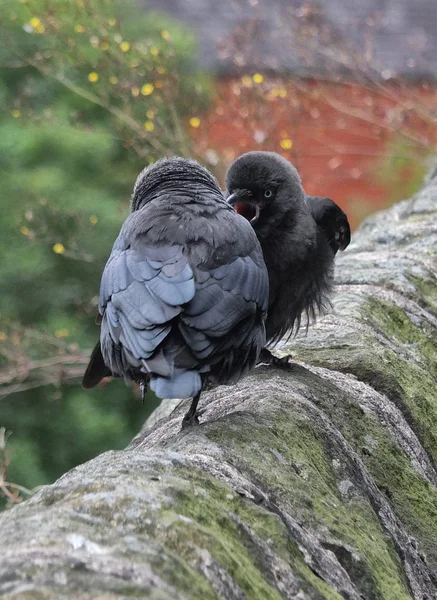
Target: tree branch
{"points": [[30, 374]]}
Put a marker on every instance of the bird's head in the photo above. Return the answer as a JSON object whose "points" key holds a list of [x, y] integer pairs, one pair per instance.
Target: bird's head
{"points": [[167, 174], [263, 185], [331, 220]]}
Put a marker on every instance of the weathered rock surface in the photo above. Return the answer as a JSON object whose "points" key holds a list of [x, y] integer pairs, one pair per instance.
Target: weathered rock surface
{"points": [[315, 483]]}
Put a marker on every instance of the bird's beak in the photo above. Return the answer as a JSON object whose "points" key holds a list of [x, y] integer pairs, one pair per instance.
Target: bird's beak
{"points": [[240, 196], [232, 199], [241, 200]]}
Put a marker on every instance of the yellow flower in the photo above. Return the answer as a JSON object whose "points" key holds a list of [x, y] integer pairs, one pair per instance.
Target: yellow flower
{"points": [[165, 35], [24, 230], [149, 126], [79, 28], [60, 333], [258, 78], [282, 93], [194, 122], [40, 29], [35, 22], [93, 219], [125, 46], [113, 80], [3, 336], [150, 114], [246, 81], [58, 248], [147, 89], [161, 70], [286, 144], [104, 46], [112, 22], [16, 113], [154, 51], [93, 77], [135, 92]]}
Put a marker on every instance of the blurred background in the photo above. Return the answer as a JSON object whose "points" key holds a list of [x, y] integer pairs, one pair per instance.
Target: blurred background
{"points": [[92, 91]]}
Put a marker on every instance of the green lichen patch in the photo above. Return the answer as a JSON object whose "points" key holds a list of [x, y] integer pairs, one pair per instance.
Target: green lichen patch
{"points": [[411, 386], [414, 390], [415, 378], [291, 454], [212, 530], [413, 499], [217, 516], [418, 337], [427, 289], [175, 566]]}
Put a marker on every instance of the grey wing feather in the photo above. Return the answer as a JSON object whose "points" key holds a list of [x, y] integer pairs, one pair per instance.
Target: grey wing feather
{"points": [[231, 300], [143, 288], [143, 307]]}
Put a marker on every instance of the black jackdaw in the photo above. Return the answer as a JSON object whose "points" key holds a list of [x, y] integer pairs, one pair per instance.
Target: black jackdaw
{"points": [[297, 235], [184, 294]]}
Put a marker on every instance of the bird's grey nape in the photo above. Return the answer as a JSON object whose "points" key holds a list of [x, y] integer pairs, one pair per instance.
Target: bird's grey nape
{"points": [[167, 173]]}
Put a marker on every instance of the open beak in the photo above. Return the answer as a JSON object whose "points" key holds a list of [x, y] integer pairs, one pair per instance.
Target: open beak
{"points": [[241, 201]]}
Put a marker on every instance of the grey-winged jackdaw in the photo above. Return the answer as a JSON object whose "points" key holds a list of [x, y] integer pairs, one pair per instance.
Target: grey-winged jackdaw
{"points": [[184, 294]]}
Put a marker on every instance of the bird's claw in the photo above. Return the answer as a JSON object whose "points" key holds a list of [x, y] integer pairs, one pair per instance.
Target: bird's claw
{"points": [[143, 390], [192, 420], [283, 362]]}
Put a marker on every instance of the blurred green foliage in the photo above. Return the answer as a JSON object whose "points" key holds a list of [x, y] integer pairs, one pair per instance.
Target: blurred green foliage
{"points": [[405, 166], [90, 92]]}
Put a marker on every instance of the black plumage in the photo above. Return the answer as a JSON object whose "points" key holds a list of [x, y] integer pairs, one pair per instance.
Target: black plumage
{"points": [[297, 237], [332, 221], [184, 293]]}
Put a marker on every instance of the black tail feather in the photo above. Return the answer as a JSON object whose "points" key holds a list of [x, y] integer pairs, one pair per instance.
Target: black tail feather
{"points": [[96, 369]]}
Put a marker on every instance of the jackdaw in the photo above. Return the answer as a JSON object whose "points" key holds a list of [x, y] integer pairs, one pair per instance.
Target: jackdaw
{"points": [[297, 236], [184, 294]]}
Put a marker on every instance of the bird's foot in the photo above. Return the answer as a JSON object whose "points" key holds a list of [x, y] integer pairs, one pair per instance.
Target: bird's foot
{"points": [[190, 420], [192, 416], [268, 358]]}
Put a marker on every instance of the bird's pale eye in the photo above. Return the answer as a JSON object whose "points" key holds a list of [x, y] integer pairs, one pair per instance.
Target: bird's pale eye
{"points": [[268, 194]]}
